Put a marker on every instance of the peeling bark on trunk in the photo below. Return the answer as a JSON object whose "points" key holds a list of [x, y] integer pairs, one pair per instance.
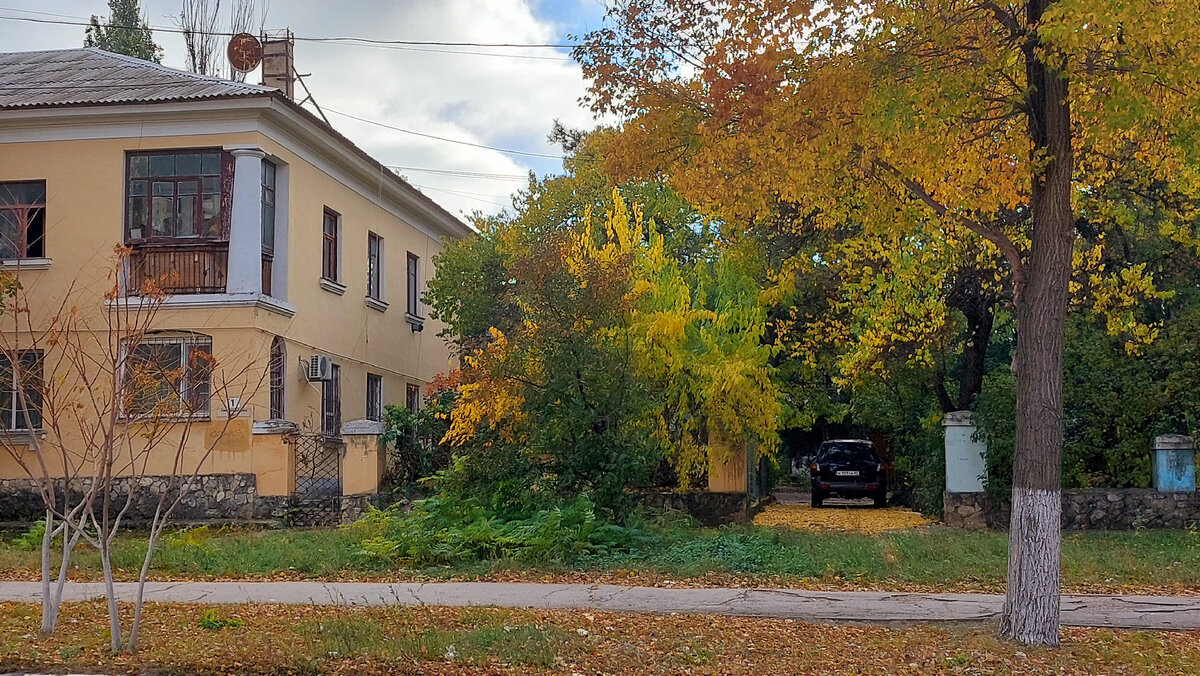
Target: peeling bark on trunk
{"points": [[1031, 607]]}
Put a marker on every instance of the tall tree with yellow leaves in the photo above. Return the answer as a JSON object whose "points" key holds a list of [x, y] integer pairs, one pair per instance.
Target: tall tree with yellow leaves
{"points": [[995, 120]]}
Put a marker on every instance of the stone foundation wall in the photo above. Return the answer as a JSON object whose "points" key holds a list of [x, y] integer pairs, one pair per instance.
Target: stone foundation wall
{"points": [[1086, 509], [233, 498], [354, 507], [709, 508], [212, 497]]}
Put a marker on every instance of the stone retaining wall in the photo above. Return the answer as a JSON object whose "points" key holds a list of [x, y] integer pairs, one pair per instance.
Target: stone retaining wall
{"points": [[709, 508], [229, 497], [1085, 509], [213, 498], [233, 498]]}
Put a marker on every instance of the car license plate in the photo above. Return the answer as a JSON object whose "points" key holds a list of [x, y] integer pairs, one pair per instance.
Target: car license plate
{"points": [[847, 473]]}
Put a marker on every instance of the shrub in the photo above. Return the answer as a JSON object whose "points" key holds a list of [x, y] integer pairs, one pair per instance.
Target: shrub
{"points": [[413, 439], [449, 528], [31, 539], [211, 621]]}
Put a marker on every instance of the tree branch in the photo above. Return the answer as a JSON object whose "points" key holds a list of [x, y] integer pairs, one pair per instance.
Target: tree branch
{"points": [[988, 231]]}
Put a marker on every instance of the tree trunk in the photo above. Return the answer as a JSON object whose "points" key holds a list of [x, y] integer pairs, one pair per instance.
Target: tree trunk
{"points": [[1031, 607], [980, 319], [49, 610], [114, 616]]}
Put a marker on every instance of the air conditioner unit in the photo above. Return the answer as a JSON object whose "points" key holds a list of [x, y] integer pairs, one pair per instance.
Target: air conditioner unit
{"points": [[320, 368]]}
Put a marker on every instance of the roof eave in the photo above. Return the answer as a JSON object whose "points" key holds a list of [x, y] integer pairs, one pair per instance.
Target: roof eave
{"points": [[276, 106]]}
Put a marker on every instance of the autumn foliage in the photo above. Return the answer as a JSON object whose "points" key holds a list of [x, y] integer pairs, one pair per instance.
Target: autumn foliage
{"points": [[606, 355]]}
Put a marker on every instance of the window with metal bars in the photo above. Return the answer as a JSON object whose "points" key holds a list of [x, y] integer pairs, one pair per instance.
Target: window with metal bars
{"points": [[374, 397], [278, 364], [22, 219], [169, 376], [412, 397], [331, 404], [21, 391]]}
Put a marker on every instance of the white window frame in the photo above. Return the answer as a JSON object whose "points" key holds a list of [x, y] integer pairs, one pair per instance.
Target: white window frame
{"points": [[182, 340]]}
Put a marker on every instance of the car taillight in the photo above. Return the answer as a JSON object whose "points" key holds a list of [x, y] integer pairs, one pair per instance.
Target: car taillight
{"points": [[815, 467]]}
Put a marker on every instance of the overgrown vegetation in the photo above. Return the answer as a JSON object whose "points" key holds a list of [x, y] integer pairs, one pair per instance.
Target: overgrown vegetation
{"points": [[657, 548], [451, 529]]}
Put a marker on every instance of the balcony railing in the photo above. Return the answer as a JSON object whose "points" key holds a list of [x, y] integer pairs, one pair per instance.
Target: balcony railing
{"points": [[180, 268]]}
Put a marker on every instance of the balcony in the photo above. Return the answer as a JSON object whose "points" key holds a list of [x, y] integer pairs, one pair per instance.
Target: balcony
{"points": [[199, 268]]}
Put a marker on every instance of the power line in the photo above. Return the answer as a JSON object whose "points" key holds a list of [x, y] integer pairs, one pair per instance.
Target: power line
{"points": [[459, 193], [327, 41], [443, 138], [298, 38], [462, 173], [496, 55]]}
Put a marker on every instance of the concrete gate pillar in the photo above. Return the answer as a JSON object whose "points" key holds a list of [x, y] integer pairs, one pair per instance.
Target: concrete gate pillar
{"points": [[726, 463], [966, 458], [363, 463], [1174, 463]]}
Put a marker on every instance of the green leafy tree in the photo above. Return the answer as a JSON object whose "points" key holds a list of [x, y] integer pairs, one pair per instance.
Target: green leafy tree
{"points": [[124, 32]]}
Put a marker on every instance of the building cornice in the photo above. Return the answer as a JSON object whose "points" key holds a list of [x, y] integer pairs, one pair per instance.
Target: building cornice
{"points": [[209, 301]]}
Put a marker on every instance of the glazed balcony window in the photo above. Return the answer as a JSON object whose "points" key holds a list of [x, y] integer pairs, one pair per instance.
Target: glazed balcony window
{"points": [[177, 219]]}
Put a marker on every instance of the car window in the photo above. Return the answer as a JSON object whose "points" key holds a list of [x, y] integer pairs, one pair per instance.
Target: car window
{"points": [[846, 452]]}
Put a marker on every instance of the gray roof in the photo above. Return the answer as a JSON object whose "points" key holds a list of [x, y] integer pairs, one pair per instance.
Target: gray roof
{"points": [[89, 76]]}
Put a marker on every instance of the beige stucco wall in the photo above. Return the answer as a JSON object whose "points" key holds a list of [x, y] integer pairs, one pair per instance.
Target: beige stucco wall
{"points": [[360, 339], [84, 216], [362, 465]]}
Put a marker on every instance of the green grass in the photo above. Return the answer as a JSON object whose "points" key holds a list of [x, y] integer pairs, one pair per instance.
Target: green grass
{"points": [[926, 557], [522, 644]]}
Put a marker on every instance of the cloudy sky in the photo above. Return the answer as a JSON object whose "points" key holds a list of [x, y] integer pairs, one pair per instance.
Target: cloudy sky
{"points": [[501, 97]]}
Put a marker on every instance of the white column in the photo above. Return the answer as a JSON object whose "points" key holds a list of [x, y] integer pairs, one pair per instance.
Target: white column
{"points": [[245, 225]]}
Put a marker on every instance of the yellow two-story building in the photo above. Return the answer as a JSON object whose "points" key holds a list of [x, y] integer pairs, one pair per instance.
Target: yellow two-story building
{"points": [[285, 246]]}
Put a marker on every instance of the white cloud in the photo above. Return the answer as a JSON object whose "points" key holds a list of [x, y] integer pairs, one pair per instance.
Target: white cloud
{"points": [[488, 100]]}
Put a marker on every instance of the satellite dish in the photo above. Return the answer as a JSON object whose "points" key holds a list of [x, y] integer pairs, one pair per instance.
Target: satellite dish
{"points": [[245, 52]]}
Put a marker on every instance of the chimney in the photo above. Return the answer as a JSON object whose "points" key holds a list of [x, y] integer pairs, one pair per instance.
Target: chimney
{"points": [[278, 67]]}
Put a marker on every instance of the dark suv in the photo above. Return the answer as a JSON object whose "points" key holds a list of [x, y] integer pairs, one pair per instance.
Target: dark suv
{"points": [[848, 468]]}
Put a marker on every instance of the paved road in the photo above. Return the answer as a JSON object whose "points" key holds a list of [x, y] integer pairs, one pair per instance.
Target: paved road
{"points": [[1134, 612]]}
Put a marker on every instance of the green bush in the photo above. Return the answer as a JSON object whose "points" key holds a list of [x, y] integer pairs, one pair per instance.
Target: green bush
{"points": [[31, 539], [449, 528], [413, 439]]}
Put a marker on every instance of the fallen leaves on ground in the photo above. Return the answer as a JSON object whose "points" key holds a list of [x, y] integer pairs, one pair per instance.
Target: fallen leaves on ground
{"points": [[856, 519], [309, 639]]}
